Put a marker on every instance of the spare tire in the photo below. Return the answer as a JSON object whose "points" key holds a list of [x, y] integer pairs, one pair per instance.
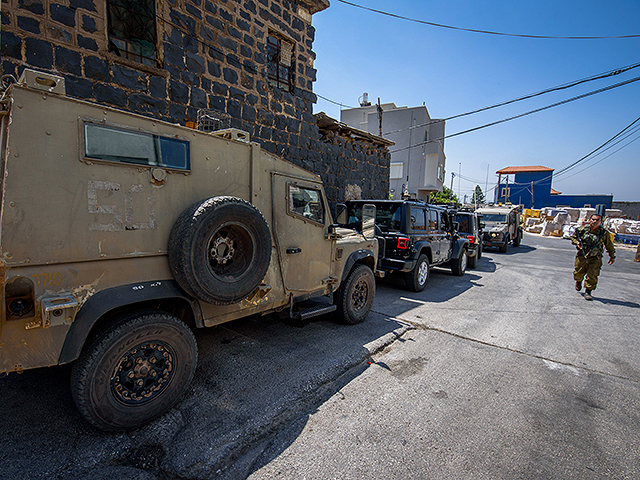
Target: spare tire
{"points": [[220, 249]]}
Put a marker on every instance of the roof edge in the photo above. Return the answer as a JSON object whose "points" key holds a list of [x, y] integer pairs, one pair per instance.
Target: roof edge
{"points": [[525, 169], [325, 122]]}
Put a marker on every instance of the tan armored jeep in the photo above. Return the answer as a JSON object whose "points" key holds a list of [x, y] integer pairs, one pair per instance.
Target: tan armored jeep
{"points": [[120, 233], [502, 225]]}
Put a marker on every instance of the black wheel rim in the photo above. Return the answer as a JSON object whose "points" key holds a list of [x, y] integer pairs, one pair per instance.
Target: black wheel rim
{"points": [[360, 295], [230, 251], [143, 373]]}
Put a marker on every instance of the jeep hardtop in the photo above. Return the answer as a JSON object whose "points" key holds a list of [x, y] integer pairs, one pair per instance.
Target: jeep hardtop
{"points": [[413, 236], [470, 226], [120, 233]]}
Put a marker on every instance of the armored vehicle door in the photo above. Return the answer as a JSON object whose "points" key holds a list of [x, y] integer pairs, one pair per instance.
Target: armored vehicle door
{"points": [[300, 220]]}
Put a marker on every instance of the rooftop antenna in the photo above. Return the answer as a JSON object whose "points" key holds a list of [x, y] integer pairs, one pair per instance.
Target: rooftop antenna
{"points": [[365, 100]]}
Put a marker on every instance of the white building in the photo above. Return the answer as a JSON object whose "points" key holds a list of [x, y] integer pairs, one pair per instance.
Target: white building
{"points": [[417, 159]]}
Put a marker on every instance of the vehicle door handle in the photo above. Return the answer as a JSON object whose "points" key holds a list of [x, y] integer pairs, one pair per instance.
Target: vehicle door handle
{"points": [[294, 250]]}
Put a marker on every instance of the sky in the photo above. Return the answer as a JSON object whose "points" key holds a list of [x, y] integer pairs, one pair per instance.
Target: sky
{"points": [[453, 72]]}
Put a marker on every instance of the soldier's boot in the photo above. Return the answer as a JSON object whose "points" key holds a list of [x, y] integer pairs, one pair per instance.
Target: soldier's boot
{"points": [[587, 295], [578, 285]]}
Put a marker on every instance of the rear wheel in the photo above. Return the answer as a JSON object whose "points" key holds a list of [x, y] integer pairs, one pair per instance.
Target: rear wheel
{"points": [[473, 261], [459, 265], [354, 298], [134, 371], [416, 279]]}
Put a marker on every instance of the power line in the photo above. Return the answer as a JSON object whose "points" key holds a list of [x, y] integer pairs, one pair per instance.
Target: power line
{"points": [[565, 169], [332, 101], [497, 122], [569, 167], [603, 158], [487, 32], [599, 76]]}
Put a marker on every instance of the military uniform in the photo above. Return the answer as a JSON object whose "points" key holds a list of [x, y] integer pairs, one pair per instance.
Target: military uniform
{"points": [[589, 259]]}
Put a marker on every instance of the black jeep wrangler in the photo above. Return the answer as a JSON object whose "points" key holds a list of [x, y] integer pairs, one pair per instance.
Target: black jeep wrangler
{"points": [[413, 236], [470, 226]]}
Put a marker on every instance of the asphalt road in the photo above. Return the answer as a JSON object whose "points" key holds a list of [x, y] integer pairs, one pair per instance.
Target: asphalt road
{"points": [[505, 373]]}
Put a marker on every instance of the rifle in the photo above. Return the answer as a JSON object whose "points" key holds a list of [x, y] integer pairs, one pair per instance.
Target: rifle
{"points": [[579, 246]]}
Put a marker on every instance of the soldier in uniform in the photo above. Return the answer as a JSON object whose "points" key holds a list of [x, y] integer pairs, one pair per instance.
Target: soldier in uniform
{"points": [[591, 240]]}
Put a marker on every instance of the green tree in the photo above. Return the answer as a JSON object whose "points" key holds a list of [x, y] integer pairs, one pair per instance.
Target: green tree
{"points": [[445, 196], [478, 196]]}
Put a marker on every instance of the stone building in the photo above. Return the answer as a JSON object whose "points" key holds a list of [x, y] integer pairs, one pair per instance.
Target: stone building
{"points": [[208, 64]]}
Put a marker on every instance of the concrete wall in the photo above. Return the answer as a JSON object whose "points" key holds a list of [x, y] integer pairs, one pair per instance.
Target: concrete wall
{"points": [[629, 209], [423, 161]]}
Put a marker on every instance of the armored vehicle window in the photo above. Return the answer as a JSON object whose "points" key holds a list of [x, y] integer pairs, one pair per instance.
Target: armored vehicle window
{"points": [[494, 217], [117, 145], [418, 219], [306, 203]]}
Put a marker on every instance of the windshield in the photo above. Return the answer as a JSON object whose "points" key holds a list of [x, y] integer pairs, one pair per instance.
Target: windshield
{"points": [[464, 223], [494, 218], [388, 216]]}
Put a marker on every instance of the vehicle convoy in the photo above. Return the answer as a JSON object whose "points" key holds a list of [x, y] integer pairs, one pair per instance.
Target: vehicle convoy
{"points": [[413, 236], [121, 233], [470, 227], [502, 225]]}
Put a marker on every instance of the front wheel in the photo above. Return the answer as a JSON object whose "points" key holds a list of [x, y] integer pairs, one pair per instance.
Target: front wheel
{"points": [[355, 296], [134, 371], [459, 265], [504, 247], [516, 241], [416, 279]]}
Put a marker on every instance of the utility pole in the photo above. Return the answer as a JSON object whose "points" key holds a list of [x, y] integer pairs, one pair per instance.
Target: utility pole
{"points": [[532, 207], [459, 167], [506, 190], [486, 183], [452, 175], [380, 116]]}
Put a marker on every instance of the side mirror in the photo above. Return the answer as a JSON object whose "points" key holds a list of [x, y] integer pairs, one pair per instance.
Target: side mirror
{"points": [[482, 225], [341, 214], [369, 221], [456, 226]]}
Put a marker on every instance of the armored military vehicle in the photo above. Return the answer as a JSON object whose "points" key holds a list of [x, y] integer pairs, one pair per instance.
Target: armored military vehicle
{"points": [[121, 233], [502, 226]]}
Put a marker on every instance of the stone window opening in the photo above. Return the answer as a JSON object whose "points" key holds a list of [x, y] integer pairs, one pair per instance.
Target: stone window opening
{"points": [[280, 62], [132, 30]]}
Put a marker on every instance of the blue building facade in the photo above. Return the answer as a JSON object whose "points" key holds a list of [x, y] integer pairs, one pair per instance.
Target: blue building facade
{"points": [[531, 187]]}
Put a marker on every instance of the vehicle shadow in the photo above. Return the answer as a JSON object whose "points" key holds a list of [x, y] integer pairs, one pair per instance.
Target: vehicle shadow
{"points": [[256, 377], [394, 298], [511, 250]]}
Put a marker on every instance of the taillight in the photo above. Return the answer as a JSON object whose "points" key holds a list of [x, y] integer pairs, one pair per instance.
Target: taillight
{"points": [[403, 243], [471, 238]]}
